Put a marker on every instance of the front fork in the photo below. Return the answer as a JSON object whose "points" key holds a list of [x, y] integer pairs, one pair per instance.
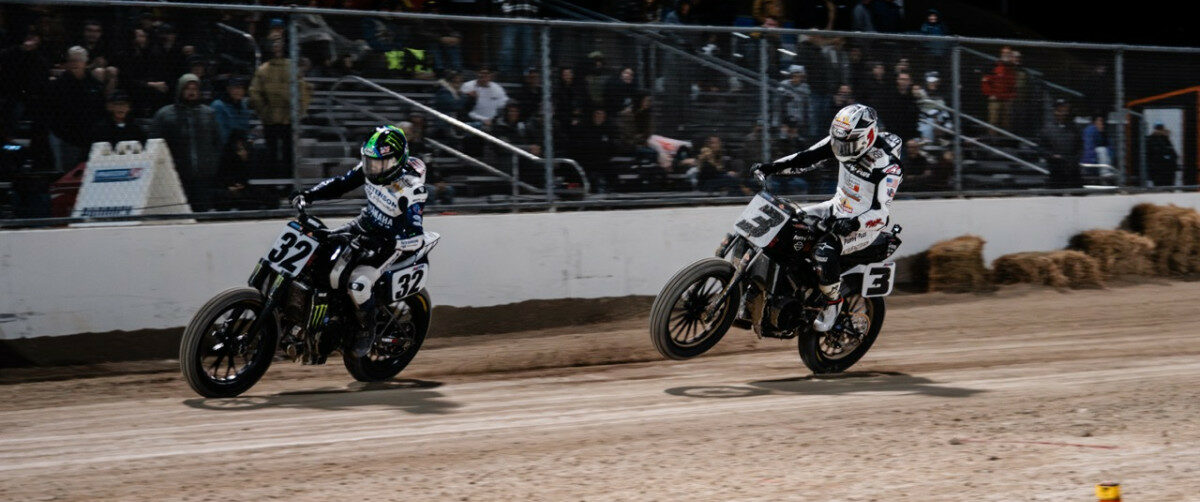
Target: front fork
{"points": [[739, 271]]}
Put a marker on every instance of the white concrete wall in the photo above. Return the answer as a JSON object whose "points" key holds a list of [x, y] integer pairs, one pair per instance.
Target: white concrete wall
{"points": [[67, 281]]}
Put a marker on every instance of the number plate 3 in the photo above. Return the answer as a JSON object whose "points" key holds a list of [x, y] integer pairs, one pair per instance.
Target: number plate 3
{"points": [[878, 279], [408, 281], [291, 251]]}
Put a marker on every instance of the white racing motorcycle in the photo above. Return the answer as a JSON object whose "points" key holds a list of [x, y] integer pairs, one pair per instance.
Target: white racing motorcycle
{"points": [[291, 306], [763, 277]]}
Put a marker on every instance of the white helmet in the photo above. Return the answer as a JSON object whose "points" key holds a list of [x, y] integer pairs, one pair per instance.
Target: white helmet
{"points": [[853, 132]]}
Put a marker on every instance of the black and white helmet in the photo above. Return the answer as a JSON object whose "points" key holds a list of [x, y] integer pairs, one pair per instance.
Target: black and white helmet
{"points": [[853, 132]]}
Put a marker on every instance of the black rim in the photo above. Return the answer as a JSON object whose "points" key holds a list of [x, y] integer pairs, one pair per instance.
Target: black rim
{"points": [[228, 350], [847, 335], [397, 337], [686, 324]]}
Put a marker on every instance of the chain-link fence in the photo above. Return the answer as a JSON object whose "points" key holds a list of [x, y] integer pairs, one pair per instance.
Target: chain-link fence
{"points": [[521, 112]]}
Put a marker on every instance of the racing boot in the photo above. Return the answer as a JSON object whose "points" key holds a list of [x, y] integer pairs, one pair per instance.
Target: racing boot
{"points": [[365, 337], [826, 318]]}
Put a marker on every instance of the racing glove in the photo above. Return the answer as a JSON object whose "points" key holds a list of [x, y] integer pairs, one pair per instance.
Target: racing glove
{"points": [[298, 200], [844, 226]]}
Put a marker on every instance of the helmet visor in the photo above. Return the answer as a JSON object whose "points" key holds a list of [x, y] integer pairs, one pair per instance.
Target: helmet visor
{"points": [[848, 148], [374, 168]]}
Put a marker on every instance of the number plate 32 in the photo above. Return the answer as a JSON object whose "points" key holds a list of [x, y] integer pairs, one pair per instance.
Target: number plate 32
{"points": [[408, 281], [291, 251], [878, 279]]}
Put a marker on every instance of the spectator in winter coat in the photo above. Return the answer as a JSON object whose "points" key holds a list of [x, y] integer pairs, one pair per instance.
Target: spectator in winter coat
{"points": [[25, 73], [1094, 139], [116, 127], [862, 17], [1161, 158], [233, 109], [529, 96], [899, 112], [1000, 87], [270, 97], [796, 105], [194, 138], [77, 104], [1061, 141], [569, 96], [449, 97], [141, 75], [621, 93], [934, 26]]}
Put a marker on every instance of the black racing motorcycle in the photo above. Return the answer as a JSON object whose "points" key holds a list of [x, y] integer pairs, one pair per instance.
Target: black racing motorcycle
{"points": [[294, 305], [764, 278]]}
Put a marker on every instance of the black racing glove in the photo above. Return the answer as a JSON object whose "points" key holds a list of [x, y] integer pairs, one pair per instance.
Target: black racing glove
{"points": [[844, 226], [299, 200], [757, 168]]}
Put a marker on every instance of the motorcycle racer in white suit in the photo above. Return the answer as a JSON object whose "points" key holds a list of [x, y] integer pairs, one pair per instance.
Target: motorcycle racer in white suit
{"points": [[868, 176], [388, 226]]}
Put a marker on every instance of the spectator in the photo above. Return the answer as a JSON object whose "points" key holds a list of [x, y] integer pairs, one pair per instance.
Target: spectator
{"points": [[875, 87], [25, 73], [886, 16], [1000, 88], [489, 97], [449, 97], [812, 56], [796, 102], [198, 66], [924, 172], [770, 11], [530, 94], [233, 109], [1061, 141], [934, 26], [789, 141], [1095, 143], [116, 127], [512, 128], [815, 14], [193, 136], [636, 124], [595, 77], [235, 191], [1161, 158], [593, 143], [270, 97], [170, 57], [899, 112], [445, 42], [712, 168], [516, 40], [621, 93], [100, 59], [142, 76], [75, 102], [932, 105], [862, 17], [681, 14], [844, 97], [1027, 113], [569, 96]]}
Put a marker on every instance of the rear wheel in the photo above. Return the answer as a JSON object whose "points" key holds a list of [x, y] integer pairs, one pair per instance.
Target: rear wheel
{"points": [[852, 335], [402, 331], [682, 324], [219, 355]]}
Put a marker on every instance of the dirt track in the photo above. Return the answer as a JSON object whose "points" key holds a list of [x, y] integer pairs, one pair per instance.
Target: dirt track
{"points": [[1027, 394]]}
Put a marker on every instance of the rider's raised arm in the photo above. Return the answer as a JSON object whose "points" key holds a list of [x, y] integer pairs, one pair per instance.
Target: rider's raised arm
{"points": [[336, 186], [814, 154]]}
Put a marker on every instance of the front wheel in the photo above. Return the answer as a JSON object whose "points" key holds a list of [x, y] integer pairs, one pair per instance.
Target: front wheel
{"points": [[402, 327], [219, 355], [852, 335], [678, 325]]}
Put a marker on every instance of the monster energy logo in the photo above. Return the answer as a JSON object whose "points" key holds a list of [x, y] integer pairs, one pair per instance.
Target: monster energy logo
{"points": [[318, 315], [761, 225]]}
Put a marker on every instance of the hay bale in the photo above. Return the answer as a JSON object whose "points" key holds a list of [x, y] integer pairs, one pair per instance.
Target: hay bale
{"points": [[1118, 252], [1176, 234], [956, 266], [1059, 269]]}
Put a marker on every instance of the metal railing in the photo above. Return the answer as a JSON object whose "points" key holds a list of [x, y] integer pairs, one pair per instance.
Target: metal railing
{"points": [[749, 107], [469, 129]]}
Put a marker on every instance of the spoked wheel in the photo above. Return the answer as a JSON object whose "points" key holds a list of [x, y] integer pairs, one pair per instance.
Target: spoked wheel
{"points": [[852, 335], [401, 333], [220, 356], [684, 323]]}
